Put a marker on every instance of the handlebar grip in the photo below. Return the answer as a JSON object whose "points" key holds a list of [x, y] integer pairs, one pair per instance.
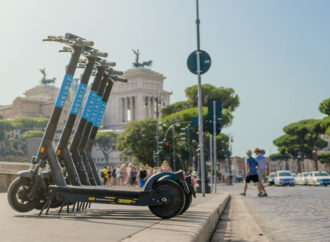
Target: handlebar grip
{"points": [[100, 53], [86, 42], [110, 64], [114, 72], [81, 65], [116, 78]]}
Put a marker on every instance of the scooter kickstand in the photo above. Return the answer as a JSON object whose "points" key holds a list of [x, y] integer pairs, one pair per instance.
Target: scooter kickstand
{"points": [[50, 202], [63, 204], [73, 207], [43, 207]]}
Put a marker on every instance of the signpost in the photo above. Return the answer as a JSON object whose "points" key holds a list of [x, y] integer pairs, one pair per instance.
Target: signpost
{"points": [[214, 117], [199, 62]]}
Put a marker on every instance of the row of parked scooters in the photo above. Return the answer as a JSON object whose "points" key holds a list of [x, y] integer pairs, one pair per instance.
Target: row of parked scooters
{"points": [[45, 186], [286, 178]]}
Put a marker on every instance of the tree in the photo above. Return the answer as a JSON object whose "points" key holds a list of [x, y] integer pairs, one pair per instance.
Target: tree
{"points": [[28, 123], [106, 140], [32, 134], [324, 158], [325, 107], [281, 156], [138, 140], [5, 126], [230, 100], [175, 107], [302, 139]]}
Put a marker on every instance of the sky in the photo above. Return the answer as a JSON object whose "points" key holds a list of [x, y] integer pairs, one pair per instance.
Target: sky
{"points": [[274, 54]]}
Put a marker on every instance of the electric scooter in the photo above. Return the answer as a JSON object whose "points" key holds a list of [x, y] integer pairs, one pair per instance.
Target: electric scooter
{"points": [[164, 193], [24, 193]]}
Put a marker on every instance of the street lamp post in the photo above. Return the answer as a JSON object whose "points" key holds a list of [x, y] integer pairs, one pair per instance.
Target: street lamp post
{"points": [[200, 113]]}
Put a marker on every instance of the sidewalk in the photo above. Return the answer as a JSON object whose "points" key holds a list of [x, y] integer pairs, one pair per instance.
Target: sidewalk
{"points": [[112, 223]]}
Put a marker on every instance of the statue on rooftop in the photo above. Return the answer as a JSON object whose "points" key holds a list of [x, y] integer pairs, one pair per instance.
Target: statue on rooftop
{"points": [[44, 80], [137, 64]]}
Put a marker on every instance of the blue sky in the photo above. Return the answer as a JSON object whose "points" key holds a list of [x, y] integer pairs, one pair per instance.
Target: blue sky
{"points": [[275, 54]]}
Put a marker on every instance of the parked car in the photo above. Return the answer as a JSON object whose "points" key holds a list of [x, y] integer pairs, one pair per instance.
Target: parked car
{"points": [[298, 178], [284, 178], [318, 178], [304, 178], [271, 178]]}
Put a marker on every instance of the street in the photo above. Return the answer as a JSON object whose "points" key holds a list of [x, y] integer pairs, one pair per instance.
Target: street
{"points": [[299, 213]]}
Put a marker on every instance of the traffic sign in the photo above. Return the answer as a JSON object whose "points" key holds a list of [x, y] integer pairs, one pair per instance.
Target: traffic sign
{"points": [[205, 62], [218, 115]]}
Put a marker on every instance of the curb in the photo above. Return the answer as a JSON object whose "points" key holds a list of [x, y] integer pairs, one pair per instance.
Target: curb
{"points": [[197, 224]]}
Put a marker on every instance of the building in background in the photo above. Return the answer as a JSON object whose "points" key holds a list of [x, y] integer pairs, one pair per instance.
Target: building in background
{"points": [[136, 99]]}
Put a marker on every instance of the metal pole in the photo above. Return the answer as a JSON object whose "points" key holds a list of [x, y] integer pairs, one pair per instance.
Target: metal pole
{"points": [[200, 113], [211, 160], [157, 134], [174, 161], [215, 145]]}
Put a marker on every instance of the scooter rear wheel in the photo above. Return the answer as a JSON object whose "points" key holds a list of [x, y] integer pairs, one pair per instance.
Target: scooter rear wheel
{"points": [[173, 198], [18, 195]]}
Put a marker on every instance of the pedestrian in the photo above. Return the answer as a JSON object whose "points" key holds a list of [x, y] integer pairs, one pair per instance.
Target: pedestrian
{"points": [[166, 166], [109, 175], [114, 176], [142, 177], [122, 175], [263, 170], [104, 175], [132, 176], [251, 172]]}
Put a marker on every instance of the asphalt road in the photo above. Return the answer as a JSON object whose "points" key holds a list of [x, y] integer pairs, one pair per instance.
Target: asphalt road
{"points": [[100, 223], [299, 213]]}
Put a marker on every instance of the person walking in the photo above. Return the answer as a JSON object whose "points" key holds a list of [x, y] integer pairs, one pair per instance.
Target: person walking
{"points": [[114, 176], [142, 177], [104, 175], [263, 170], [251, 172]]}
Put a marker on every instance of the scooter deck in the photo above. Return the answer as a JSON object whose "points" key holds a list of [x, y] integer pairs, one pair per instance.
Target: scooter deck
{"points": [[104, 195]]}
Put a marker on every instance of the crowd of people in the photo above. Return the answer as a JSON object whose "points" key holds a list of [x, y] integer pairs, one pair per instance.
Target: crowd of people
{"points": [[130, 175]]}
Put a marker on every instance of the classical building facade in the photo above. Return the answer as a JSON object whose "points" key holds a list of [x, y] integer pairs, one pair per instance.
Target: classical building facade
{"points": [[38, 101], [137, 99]]}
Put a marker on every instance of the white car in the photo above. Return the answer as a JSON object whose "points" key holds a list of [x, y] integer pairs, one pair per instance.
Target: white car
{"points": [[284, 178], [319, 178], [301, 178]]}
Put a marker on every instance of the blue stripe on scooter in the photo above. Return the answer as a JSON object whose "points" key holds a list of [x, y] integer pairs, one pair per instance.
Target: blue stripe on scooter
{"points": [[89, 104], [98, 120], [64, 91], [95, 109], [78, 98]]}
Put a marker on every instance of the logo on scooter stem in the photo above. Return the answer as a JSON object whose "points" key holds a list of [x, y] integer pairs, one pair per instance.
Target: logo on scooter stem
{"points": [[64, 91]]}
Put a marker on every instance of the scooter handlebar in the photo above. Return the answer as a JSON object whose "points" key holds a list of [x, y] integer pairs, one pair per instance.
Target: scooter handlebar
{"points": [[70, 39], [119, 79], [114, 72]]}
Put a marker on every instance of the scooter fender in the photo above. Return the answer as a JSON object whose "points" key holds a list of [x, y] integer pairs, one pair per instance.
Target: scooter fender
{"points": [[27, 173], [174, 176], [190, 185], [182, 182]]}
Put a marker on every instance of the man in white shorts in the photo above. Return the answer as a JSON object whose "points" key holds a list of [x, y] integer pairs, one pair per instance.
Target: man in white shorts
{"points": [[263, 169]]}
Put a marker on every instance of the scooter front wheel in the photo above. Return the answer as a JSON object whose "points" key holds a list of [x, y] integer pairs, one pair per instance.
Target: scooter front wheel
{"points": [[173, 198], [18, 198]]}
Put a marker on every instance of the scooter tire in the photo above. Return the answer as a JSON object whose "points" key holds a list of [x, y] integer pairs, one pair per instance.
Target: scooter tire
{"points": [[188, 202], [17, 191], [175, 196]]}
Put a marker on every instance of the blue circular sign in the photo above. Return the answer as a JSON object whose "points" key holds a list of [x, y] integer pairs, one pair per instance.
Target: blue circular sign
{"points": [[205, 62]]}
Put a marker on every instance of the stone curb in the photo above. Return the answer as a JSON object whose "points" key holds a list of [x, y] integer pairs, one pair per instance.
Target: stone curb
{"points": [[197, 224]]}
